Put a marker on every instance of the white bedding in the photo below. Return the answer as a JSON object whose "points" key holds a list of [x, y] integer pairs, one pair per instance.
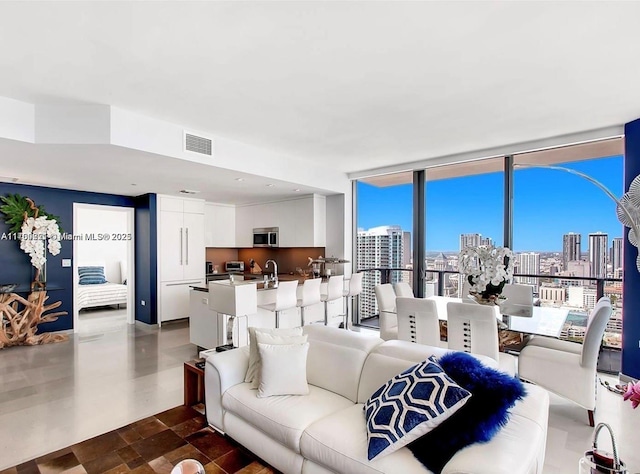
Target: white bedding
{"points": [[101, 295]]}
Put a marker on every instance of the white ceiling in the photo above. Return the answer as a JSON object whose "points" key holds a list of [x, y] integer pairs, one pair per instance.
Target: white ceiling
{"points": [[354, 85], [116, 170]]}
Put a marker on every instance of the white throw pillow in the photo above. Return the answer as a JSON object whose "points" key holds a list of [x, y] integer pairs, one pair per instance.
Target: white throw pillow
{"points": [[283, 370], [253, 372]]}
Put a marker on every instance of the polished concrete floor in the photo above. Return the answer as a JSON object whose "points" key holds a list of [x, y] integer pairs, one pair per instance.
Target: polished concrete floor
{"points": [[57, 395]]}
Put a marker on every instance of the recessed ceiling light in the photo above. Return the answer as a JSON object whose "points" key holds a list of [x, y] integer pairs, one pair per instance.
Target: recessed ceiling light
{"points": [[270, 185], [134, 184], [239, 179], [188, 191], [297, 190]]}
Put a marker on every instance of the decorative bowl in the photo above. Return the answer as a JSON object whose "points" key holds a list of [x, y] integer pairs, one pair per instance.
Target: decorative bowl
{"points": [[8, 287]]}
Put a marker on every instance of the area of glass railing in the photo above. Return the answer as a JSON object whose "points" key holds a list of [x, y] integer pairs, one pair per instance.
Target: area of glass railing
{"points": [[577, 294]]}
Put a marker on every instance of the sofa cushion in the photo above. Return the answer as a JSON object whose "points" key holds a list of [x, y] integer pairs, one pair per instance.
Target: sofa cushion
{"points": [[336, 358], [285, 417], [253, 372], [409, 405], [493, 394], [392, 357], [283, 369], [339, 442], [514, 450]]}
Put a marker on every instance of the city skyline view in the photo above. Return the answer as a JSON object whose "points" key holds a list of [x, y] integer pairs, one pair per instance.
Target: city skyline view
{"points": [[547, 205]]}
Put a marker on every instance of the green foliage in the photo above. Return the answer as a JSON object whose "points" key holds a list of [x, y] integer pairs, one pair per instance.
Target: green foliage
{"points": [[14, 207]]}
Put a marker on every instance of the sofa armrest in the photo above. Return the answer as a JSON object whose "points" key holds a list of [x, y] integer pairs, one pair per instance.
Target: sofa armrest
{"points": [[222, 371]]}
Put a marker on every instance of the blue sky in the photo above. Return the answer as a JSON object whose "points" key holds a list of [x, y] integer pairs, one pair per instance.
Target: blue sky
{"points": [[547, 204]]}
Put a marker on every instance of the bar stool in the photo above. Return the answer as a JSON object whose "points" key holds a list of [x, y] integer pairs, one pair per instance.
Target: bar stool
{"points": [[285, 299], [310, 296], [354, 288], [335, 288]]}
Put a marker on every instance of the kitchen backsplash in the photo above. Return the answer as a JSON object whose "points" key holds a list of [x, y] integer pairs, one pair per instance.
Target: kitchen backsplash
{"points": [[286, 258]]}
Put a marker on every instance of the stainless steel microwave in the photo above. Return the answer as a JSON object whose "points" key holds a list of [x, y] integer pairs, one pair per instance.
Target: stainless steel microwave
{"points": [[265, 237]]}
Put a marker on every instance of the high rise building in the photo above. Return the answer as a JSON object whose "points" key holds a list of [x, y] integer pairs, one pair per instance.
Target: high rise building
{"points": [[471, 240], [598, 246], [379, 247], [616, 253], [570, 249], [407, 260], [528, 263]]}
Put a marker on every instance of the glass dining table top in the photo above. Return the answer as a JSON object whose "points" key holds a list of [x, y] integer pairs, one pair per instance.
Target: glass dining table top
{"points": [[540, 320]]}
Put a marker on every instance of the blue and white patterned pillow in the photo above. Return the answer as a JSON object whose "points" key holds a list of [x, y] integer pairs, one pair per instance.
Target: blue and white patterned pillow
{"points": [[410, 405], [91, 275]]}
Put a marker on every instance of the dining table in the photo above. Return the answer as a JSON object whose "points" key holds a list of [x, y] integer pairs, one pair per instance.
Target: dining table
{"points": [[533, 320]]}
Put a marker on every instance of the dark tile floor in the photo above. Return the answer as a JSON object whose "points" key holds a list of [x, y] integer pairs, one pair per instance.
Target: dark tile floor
{"points": [[151, 445]]}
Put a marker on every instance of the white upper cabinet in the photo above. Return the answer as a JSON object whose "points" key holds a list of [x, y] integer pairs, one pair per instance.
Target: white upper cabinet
{"points": [[301, 222], [181, 251], [219, 225], [244, 226], [310, 222]]}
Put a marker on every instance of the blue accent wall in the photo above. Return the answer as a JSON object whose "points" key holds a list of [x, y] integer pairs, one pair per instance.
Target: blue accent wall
{"points": [[146, 259], [15, 266], [631, 276]]}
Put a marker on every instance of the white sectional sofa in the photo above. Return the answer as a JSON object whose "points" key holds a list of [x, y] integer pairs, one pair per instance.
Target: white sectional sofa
{"points": [[325, 431]]}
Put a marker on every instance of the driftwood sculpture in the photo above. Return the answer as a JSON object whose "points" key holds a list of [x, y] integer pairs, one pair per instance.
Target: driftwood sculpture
{"points": [[20, 319]]}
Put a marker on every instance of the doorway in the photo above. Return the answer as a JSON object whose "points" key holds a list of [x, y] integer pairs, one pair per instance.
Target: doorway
{"points": [[103, 268]]}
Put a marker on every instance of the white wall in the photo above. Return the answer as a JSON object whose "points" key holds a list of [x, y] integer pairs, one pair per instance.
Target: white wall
{"points": [[17, 120], [72, 124], [111, 252]]}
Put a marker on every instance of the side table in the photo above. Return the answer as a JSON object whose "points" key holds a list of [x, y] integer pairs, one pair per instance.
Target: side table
{"points": [[193, 383]]}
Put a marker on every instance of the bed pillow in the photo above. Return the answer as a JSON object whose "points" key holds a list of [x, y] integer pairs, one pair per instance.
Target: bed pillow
{"points": [[253, 372], [493, 394], [91, 275], [283, 369], [409, 405]]}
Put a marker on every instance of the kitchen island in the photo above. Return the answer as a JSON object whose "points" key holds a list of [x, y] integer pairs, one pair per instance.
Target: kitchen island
{"points": [[208, 328]]}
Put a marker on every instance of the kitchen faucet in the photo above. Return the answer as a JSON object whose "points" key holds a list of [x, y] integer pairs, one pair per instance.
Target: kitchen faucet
{"points": [[274, 276]]}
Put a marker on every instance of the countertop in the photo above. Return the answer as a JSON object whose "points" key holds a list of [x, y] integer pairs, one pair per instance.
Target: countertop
{"points": [[258, 280]]}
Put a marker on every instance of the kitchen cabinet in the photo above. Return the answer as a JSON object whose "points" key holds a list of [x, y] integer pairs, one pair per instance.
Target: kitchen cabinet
{"points": [[244, 226], [181, 254], [205, 327], [301, 222], [219, 225]]}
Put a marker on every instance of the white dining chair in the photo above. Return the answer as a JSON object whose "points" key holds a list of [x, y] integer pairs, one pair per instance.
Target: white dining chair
{"points": [[310, 296], [473, 328], [418, 321], [386, 299], [567, 368], [286, 298], [403, 290], [518, 294]]}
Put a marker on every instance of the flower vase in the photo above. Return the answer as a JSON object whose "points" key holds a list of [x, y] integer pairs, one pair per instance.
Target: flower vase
{"points": [[489, 300], [39, 277]]}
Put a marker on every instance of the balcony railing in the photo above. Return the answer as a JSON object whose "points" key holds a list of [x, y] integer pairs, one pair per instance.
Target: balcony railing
{"points": [[435, 280]]}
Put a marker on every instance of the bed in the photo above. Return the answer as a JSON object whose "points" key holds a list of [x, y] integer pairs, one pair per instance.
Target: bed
{"points": [[94, 290], [101, 294]]}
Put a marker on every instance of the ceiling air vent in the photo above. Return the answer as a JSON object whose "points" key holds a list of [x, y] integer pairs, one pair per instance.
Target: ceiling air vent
{"points": [[197, 144]]}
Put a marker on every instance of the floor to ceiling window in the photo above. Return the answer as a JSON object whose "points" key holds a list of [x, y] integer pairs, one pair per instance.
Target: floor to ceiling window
{"points": [[384, 229], [464, 207], [565, 229]]}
